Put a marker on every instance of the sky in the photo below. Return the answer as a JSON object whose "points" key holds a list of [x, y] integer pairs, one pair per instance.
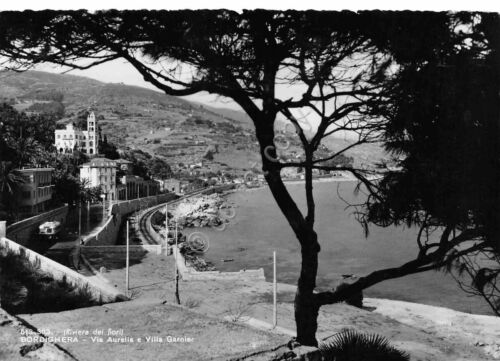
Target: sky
{"points": [[119, 71]]}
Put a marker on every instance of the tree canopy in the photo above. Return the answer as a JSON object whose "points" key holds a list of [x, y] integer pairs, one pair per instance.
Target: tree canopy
{"points": [[404, 78]]}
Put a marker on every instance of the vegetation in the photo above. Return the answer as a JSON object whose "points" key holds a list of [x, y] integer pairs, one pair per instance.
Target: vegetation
{"points": [[353, 346], [25, 139], [357, 74], [24, 288], [53, 108], [11, 181], [444, 131]]}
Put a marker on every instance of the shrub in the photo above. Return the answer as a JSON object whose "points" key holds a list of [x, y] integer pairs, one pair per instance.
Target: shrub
{"points": [[27, 289], [353, 346], [192, 303]]}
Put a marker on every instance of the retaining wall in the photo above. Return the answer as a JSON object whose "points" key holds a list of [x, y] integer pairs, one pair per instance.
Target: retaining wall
{"points": [[100, 292], [107, 234], [23, 230], [153, 248]]}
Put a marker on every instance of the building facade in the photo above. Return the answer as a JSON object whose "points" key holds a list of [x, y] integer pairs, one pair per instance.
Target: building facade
{"points": [[132, 187], [36, 192], [123, 165], [100, 172], [170, 185], [71, 138]]}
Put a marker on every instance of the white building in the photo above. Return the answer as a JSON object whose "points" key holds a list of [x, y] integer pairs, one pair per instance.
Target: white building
{"points": [[100, 172], [71, 138]]}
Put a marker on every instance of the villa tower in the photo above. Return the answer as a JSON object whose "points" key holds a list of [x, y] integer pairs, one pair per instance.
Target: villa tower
{"points": [[93, 146], [72, 138]]}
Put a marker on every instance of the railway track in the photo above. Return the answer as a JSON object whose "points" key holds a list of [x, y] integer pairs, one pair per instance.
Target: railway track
{"points": [[145, 217]]}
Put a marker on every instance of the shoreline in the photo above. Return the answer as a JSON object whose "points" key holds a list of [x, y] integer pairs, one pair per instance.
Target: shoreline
{"points": [[426, 332], [243, 187], [245, 267]]}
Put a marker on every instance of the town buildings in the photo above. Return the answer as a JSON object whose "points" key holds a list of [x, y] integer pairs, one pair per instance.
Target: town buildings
{"points": [[72, 138], [36, 192], [132, 186], [170, 185], [100, 172], [123, 165]]}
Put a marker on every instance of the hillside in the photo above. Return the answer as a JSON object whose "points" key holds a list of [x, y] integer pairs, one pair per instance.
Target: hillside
{"points": [[132, 117]]}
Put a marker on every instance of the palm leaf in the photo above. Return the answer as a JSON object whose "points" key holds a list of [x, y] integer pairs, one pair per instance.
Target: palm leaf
{"points": [[353, 346]]}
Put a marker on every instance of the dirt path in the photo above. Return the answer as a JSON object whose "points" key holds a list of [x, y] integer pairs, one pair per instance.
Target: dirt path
{"points": [[146, 329]]}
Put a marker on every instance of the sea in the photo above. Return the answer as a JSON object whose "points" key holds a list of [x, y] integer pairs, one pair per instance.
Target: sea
{"points": [[257, 228]]}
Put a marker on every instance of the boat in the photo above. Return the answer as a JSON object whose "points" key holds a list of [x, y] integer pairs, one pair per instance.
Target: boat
{"points": [[50, 229]]}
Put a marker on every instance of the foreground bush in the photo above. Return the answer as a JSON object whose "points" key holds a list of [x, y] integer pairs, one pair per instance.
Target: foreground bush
{"points": [[25, 288], [353, 346]]}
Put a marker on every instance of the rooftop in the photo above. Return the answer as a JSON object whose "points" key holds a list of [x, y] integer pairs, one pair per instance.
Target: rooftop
{"points": [[36, 169], [100, 162]]}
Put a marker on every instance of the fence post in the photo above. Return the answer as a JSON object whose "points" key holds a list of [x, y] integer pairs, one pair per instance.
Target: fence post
{"points": [[176, 268], [127, 261], [275, 306], [3, 229]]}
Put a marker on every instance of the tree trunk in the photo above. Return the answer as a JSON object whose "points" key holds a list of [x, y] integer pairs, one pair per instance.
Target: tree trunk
{"points": [[306, 307]]}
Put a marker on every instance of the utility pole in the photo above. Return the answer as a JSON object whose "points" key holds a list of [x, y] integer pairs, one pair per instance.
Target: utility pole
{"points": [[275, 306], [127, 260], [176, 269], [166, 227], [79, 221], [88, 215]]}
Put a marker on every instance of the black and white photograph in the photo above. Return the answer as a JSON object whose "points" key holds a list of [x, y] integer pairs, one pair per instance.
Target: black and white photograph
{"points": [[249, 182]]}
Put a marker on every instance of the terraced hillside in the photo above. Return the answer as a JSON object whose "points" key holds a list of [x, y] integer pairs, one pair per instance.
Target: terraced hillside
{"points": [[132, 117]]}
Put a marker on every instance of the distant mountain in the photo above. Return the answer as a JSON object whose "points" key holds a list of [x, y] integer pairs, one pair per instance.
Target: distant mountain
{"points": [[81, 92], [145, 120]]}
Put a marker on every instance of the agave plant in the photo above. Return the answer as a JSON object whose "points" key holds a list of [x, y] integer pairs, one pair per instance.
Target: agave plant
{"points": [[353, 346]]}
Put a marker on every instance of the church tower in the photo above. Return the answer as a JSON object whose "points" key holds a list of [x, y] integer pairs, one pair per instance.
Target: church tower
{"points": [[93, 146]]}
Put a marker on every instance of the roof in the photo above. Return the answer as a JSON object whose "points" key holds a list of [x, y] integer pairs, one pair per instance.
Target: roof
{"points": [[122, 161], [36, 169], [100, 162]]}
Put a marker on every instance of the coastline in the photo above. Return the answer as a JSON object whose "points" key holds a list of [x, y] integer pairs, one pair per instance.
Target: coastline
{"points": [[249, 248], [244, 187], [426, 332]]}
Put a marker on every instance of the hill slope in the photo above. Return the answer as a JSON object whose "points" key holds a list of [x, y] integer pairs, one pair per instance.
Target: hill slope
{"points": [[138, 118]]}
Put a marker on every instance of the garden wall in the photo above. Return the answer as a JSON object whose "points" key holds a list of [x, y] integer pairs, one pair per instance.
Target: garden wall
{"points": [[100, 291]]}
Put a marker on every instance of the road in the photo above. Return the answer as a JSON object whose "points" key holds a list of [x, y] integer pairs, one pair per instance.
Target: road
{"points": [[60, 250]]}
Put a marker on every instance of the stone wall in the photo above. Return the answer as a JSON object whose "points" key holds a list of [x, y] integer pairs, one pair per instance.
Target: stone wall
{"points": [[107, 234], [100, 291], [152, 248], [23, 230]]}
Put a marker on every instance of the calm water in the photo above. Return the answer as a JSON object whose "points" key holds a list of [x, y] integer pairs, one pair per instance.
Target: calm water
{"points": [[259, 228]]}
